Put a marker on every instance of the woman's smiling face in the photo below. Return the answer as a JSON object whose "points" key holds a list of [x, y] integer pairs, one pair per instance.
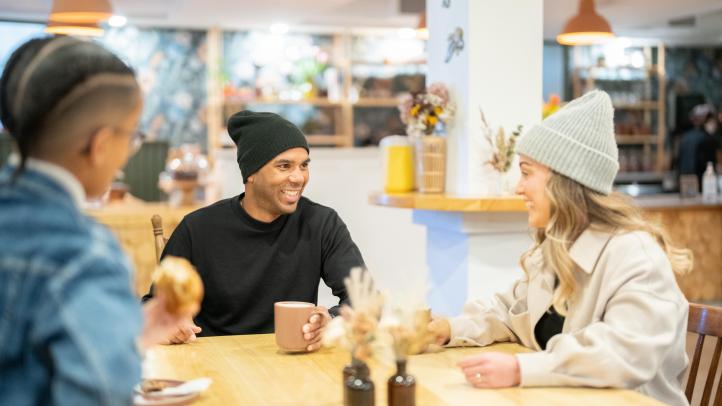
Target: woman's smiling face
{"points": [[532, 187]]}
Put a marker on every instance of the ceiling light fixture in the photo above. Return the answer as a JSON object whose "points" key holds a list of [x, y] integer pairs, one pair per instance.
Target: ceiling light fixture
{"points": [[75, 29], [586, 28], [422, 32], [117, 21], [81, 11]]}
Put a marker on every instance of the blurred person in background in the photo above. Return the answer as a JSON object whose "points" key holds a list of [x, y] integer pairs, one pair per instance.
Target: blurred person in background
{"points": [[699, 145]]}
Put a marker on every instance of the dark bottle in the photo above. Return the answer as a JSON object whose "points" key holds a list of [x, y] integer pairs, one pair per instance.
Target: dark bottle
{"points": [[359, 388], [401, 387], [349, 369]]}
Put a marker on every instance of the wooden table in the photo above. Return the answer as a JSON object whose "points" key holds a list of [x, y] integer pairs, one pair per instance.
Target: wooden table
{"points": [[689, 223], [249, 370]]}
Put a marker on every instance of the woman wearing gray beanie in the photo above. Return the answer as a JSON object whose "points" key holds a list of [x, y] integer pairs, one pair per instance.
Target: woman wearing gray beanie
{"points": [[599, 302]]}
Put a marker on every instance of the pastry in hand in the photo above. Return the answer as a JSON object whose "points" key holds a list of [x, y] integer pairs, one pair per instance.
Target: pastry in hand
{"points": [[177, 281]]}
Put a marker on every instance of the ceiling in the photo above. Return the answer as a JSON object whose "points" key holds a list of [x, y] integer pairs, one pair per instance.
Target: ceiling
{"points": [[702, 19]]}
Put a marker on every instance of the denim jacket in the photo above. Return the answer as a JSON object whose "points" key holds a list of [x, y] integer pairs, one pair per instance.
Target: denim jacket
{"points": [[68, 317]]}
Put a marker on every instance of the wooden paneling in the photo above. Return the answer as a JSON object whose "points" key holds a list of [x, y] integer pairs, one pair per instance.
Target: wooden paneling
{"points": [[130, 222], [699, 229]]}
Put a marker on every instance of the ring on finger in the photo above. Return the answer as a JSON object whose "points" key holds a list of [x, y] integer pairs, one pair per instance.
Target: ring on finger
{"points": [[478, 377]]}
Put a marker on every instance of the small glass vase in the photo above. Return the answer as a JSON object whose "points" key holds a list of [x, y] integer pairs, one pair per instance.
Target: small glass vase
{"points": [[359, 388], [401, 387], [430, 156]]}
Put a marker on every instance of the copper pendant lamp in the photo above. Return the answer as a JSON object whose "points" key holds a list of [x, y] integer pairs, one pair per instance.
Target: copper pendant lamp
{"points": [[422, 31], [586, 28], [81, 11], [75, 29]]}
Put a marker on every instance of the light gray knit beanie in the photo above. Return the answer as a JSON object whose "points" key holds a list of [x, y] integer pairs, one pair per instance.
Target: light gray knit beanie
{"points": [[578, 142]]}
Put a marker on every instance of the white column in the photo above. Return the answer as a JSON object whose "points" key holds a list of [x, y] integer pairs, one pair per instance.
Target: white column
{"points": [[471, 255], [499, 70]]}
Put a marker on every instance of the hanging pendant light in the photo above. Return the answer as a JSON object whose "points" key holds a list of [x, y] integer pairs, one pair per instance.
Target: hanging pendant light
{"points": [[75, 29], [422, 31], [586, 28], [81, 11]]}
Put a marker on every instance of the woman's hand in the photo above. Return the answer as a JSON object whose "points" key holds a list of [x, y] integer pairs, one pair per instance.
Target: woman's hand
{"points": [[491, 370]]}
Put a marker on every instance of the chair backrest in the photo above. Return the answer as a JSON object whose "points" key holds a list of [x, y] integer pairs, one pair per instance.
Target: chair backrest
{"points": [[142, 170], [158, 237], [705, 321]]}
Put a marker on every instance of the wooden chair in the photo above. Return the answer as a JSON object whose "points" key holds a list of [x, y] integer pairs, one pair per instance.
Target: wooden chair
{"points": [[160, 240], [704, 321]]}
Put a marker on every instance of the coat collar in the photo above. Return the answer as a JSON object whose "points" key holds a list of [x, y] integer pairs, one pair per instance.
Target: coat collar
{"points": [[588, 247]]}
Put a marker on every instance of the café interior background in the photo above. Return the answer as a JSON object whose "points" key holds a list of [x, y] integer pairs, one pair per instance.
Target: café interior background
{"points": [[336, 69]]}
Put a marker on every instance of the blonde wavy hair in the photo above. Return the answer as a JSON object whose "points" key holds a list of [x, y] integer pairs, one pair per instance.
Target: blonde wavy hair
{"points": [[575, 207]]}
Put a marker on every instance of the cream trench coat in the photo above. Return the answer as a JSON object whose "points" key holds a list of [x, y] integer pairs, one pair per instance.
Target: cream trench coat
{"points": [[625, 329]]}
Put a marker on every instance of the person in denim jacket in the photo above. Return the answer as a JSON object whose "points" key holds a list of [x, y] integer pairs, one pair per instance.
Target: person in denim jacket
{"points": [[70, 327]]}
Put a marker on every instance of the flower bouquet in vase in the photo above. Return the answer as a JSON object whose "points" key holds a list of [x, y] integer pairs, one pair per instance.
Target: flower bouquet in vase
{"points": [[426, 115]]}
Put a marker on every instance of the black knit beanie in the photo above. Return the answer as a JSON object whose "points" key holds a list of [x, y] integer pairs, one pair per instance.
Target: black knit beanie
{"points": [[259, 137]]}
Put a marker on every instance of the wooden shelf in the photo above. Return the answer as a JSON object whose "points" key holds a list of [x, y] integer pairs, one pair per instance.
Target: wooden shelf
{"points": [[643, 105], [389, 63], [377, 102], [639, 177], [649, 112], [637, 139], [441, 202], [319, 102], [331, 139]]}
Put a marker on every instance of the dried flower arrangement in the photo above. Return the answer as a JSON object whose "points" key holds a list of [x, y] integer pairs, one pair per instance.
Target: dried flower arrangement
{"points": [[356, 329], [408, 329], [502, 146]]}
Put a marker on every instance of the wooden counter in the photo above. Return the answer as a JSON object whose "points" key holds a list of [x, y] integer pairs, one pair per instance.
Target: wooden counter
{"points": [[441, 202], [689, 222], [249, 370], [130, 222], [697, 226]]}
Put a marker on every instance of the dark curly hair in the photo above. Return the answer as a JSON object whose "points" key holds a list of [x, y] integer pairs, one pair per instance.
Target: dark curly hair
{"points": [[46, 79]]}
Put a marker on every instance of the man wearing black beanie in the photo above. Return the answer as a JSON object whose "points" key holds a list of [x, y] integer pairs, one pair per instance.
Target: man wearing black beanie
{"points": [[267, 244]]}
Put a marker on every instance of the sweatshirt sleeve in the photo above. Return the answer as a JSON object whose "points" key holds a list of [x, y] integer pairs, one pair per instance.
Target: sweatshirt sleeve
{"points": [[481, 324], [340, 254], [625, 348]]}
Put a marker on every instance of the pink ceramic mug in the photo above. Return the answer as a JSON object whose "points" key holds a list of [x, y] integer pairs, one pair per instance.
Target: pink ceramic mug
{"points": [[289, 318]]}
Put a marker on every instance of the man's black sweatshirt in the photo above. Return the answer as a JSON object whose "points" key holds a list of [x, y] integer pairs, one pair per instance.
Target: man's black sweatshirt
{"points": [[247, 265]]}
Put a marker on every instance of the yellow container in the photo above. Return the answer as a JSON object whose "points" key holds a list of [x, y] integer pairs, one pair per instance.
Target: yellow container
{"points": [[398, 164]]}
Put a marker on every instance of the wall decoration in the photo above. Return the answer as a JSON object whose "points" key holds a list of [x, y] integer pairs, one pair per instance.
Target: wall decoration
{"points": [[170, 65], [456, 43]]}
